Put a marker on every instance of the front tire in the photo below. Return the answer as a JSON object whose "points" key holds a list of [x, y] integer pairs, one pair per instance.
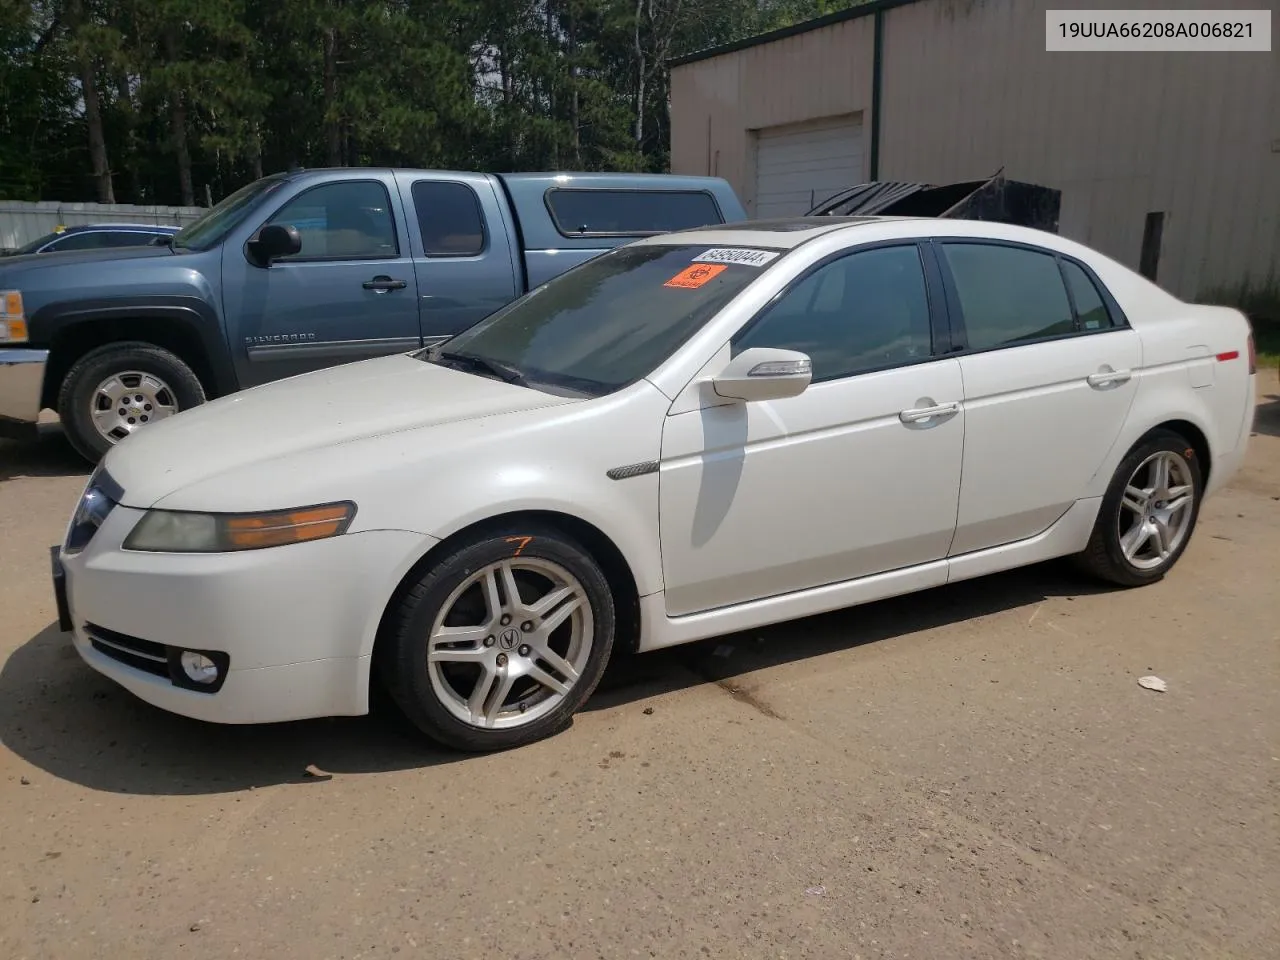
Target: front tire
{"points": [[501, 641], [119, 388], [1148, 512]]}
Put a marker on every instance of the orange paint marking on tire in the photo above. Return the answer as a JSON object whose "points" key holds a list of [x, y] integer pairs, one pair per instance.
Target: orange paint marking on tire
{"points": [[523, 541]]}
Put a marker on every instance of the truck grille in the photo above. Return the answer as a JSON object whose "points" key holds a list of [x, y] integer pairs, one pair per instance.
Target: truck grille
{"points": [[133, 652]]}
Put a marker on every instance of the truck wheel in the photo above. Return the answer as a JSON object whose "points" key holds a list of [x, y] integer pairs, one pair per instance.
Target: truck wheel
{"points": [[121, 387]]}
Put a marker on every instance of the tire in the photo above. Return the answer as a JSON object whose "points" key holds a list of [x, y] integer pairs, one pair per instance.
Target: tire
{"points": [[165, 384], [489, 684], [1121, 514]]}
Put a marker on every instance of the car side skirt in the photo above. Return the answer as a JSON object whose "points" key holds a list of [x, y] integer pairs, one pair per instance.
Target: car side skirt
{"points": [[1068, 535]]}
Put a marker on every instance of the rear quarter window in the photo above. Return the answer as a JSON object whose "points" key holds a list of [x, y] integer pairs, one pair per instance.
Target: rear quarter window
{"points": [[597, 212]]}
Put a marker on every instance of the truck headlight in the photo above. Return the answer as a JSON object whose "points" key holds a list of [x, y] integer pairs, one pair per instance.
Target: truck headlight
{"points": [[177, 531], [13, 321]]}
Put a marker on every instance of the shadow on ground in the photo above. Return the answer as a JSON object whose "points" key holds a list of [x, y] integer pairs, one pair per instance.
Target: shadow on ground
{"points": [[1267, 416], [75, 725], [49, 456]]}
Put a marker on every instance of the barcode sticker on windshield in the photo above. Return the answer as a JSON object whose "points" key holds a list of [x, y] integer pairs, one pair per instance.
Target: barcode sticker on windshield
{"points": [[742, 255]]}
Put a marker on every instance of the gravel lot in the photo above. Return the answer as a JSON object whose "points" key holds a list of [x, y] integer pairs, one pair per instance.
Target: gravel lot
{"points": [[970, 772]]}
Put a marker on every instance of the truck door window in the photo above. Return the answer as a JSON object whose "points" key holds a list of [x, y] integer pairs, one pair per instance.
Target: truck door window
{"points": [[342, 221], [449, 217]]}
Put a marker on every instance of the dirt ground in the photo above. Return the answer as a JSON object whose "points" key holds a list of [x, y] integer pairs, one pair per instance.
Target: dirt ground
{"points": [[970, 772]]}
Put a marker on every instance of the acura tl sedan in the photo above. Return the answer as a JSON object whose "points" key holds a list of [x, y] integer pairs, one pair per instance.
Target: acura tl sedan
{"points": [[697, 433]]}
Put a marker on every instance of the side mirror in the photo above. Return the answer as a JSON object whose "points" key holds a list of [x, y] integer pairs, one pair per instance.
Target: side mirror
{"points": [[764, 373], [273, 242]]}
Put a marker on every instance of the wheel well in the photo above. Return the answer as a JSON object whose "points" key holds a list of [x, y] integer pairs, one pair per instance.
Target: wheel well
{"points": [[1194, 436], [74, 341], [616, 569]]}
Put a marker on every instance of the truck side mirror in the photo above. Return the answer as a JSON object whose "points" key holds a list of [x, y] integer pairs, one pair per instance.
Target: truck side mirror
{"points": [[273, 242]]}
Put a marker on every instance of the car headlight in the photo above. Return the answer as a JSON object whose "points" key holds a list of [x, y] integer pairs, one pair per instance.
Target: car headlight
{"points": [[176, 531], [13, 321]]}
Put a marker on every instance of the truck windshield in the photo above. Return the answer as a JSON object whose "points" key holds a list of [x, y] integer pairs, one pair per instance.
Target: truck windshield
{"points": [[224, 216], [608, 322]]}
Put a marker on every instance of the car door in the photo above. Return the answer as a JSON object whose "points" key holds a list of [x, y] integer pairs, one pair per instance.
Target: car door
{"points": [[1049, 368], [858, 475], [349, 294], [464, 259]]}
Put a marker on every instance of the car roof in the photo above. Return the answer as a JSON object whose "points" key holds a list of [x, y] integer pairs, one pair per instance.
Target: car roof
{"points": [[82, 227], [781, 233], [789, 233]]}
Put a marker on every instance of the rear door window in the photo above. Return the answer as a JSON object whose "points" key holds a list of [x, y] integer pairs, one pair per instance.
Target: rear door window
{"points": [[449, 218], [589, 212], [1008, 295], [130, 238], [1090, 309]]}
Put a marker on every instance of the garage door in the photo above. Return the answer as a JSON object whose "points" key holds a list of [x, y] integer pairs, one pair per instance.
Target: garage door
{"points": [[800, 165]]}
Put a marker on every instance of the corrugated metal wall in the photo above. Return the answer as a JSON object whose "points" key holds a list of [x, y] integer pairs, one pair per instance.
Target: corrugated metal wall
{"points": [[22, 222], [968, 87], [718, 105]]}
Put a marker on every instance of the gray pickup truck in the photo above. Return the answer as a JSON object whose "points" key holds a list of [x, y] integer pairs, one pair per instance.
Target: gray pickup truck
{"points": [[304, 270]]}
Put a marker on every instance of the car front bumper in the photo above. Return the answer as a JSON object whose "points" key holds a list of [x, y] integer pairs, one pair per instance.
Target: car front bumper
{"points": [[21, 385], [291, 628]]}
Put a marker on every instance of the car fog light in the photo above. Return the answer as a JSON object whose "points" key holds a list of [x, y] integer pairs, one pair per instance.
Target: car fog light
{"points": [[198, 667]]}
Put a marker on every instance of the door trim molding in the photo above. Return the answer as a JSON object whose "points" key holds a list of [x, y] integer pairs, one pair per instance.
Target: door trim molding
{"points": [[323, 350]]}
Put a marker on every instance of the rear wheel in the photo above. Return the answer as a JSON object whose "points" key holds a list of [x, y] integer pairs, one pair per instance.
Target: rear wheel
{"points": [[1148, 512], [117, 389], [501, 641]]}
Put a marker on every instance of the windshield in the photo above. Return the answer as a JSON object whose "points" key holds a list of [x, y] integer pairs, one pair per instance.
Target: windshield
{"points": [[224, 216], [610, 321], [34, 245]]}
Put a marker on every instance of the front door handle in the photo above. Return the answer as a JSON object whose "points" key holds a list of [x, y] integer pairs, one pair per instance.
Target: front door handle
{"points": [[937, 411], [1109, 378], [382, 284]]}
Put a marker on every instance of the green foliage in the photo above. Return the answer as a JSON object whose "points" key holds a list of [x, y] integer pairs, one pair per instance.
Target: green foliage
{"points": [[159, 101]]}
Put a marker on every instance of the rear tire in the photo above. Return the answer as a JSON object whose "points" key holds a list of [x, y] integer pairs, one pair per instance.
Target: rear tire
{"points": [[1148, 512], [120, 387], [476, 668]]}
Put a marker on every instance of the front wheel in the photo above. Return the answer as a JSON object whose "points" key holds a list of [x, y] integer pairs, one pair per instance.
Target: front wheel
{"points": [[501, 641], [1148, 512], [120, 388]]}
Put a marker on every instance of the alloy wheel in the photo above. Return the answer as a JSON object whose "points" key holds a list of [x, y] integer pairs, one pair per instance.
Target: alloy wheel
{"points": [[1156, 510], [510, 643]]}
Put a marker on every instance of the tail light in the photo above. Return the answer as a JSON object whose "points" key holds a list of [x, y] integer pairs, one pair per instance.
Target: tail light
{"points": [[1253, 355]]}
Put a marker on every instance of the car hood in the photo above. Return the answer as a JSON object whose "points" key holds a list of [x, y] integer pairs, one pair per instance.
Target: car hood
{"points": [[47, 261], [337, 405]]}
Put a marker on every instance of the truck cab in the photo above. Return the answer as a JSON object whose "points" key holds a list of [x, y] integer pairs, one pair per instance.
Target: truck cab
{"points": [[303, 270]]}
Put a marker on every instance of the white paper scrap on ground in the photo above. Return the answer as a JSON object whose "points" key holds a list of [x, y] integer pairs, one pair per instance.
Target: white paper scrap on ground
{"points": [[1153, 683]]}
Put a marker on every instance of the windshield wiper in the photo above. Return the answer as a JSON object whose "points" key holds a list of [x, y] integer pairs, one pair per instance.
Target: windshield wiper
{"points": [[503, 371]]}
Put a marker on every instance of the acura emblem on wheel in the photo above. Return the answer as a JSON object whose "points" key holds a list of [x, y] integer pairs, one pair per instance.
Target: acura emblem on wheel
{"points": [[509, 638]]}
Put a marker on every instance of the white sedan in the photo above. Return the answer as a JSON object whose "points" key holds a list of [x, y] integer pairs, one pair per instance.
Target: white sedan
{"points": [[694, 434]]}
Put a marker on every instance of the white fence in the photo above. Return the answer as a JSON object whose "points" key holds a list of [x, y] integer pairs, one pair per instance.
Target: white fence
{"points": [[21, 222]]}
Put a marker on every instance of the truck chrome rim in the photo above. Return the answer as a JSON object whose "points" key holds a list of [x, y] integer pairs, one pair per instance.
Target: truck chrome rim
{"points": [[126, 401], [1155, 510], [510, 643]]}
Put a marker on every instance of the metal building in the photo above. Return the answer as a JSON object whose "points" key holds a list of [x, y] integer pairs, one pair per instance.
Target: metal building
{"points": [[1168, 161]]}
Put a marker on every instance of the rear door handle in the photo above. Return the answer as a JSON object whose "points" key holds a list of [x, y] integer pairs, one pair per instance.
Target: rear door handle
{"points": [[1108, 378], [920, 414], [383, 284]]}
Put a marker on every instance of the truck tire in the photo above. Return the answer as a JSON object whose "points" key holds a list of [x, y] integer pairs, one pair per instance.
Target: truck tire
{"points": [[118, 388]]}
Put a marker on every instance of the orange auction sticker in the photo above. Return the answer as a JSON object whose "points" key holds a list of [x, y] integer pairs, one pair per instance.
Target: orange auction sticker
{"points": [[690, 278]]}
